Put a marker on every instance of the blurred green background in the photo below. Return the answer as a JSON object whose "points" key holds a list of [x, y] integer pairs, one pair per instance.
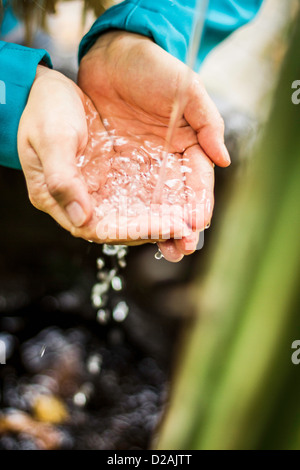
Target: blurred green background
{"points": [[235, 384]]}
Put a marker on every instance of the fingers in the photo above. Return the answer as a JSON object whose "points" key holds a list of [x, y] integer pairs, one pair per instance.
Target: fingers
{"points": [[199, 188], [187, 245], [37, 190], [202, 114], [199, 182], [170, 251]]}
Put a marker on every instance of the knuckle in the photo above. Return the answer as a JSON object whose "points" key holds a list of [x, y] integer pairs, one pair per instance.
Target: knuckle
{"points": [[75, 232]]}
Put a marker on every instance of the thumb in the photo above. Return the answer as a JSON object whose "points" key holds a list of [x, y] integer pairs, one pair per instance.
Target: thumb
{"points": [[203, 116], [64, 183]]}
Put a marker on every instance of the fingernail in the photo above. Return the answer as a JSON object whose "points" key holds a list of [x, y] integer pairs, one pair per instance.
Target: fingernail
{"points": [[226, 154], [75, 214]]}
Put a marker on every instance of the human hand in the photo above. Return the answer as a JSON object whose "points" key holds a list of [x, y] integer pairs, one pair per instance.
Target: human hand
{"points": [[133, 83], [58, 127], [122, 174], [52, 132]]}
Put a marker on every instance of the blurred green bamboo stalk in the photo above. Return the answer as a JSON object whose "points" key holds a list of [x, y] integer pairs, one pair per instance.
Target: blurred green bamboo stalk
{"points": [[236, 372]]}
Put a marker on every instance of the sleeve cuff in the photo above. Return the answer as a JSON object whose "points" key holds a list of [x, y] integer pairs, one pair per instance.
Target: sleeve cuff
{"points": [[17, 73], [170, 24], [155, 22]]}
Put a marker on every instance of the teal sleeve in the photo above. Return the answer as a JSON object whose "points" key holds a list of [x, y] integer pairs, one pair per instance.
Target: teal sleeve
{"points": [[169, 23], [9, 20], [17, 72]]}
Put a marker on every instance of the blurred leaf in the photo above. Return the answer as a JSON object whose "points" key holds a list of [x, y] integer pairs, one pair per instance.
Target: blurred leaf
{"points": [[236, 367]]}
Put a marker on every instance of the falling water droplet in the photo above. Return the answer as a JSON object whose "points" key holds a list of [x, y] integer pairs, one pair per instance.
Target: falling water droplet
{"points": [[123, 250], [94, 363], [110, 250], [122, 263], [83, 395], [120, 312], [102, 275], [97, 300], [109, 279], [158, 254], [100, 263], [116, 283], [102, 316], [79, 399], [100, 288]]}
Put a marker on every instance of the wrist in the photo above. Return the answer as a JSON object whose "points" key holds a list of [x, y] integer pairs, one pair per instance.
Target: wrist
{"points": [[116, 39], [43, 72]]}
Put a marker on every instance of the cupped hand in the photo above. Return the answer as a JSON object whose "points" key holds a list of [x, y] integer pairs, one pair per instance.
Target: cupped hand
{"points": [[52, 133], [133, 84], [70, 163]]}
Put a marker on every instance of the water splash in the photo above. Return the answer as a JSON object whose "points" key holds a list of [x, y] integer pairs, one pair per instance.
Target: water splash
{"points": [[120, 312], [109, 279], [158, 254], [103, 316], [94, 364]]}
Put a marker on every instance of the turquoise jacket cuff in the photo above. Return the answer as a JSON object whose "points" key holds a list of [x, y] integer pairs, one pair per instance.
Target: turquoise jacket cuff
{"points": [[17, 73], [170, 23]]}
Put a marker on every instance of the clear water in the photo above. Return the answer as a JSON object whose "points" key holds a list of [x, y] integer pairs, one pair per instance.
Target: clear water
{"points": [[109, 279], [130, 176]]}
